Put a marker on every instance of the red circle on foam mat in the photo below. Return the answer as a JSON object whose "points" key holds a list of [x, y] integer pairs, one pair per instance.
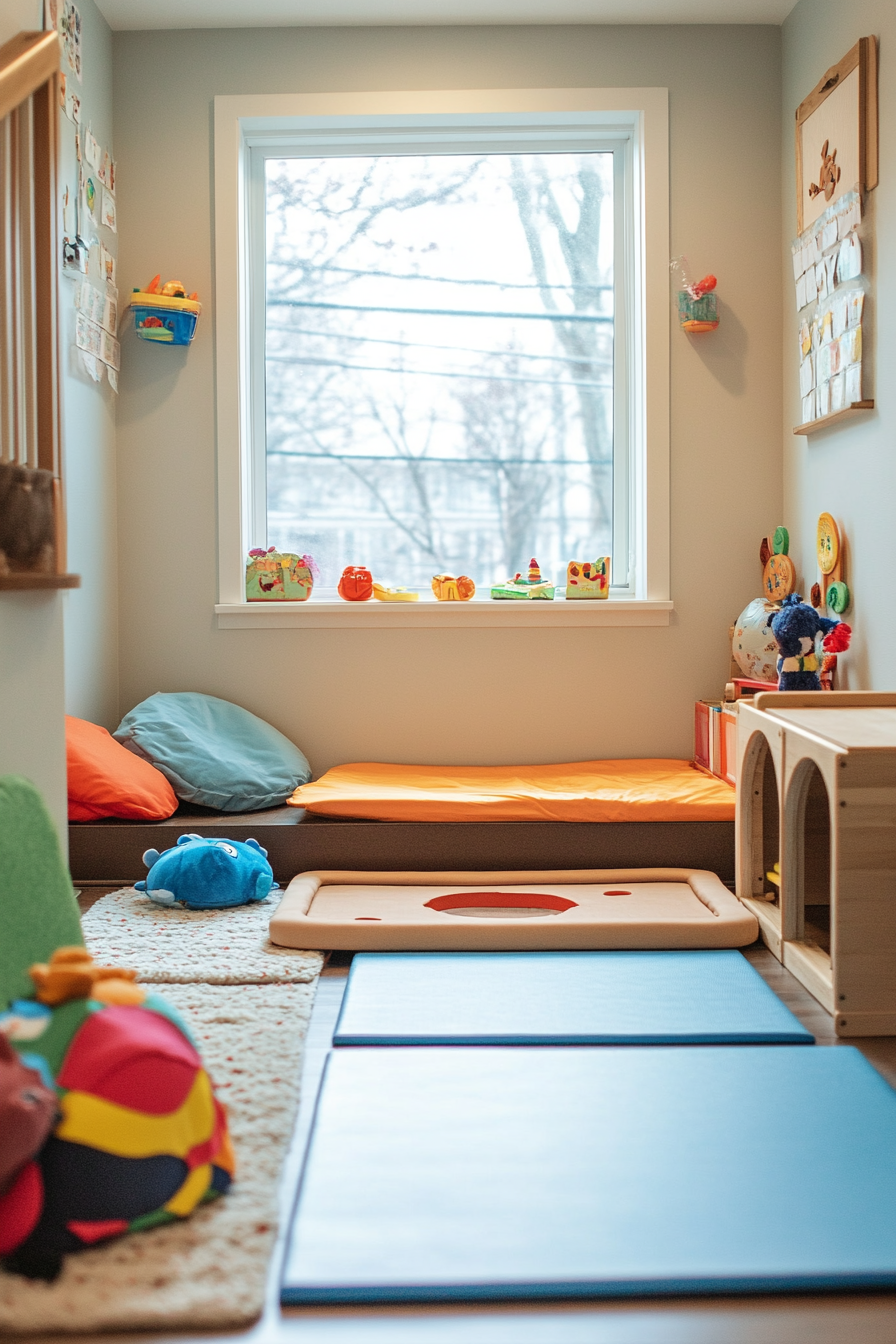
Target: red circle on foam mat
{"points": [[617, 893], [517, 900]]}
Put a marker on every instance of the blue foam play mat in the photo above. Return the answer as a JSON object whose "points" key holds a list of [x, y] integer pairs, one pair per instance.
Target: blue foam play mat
{"points": [[562, 998], [480, 1172]]}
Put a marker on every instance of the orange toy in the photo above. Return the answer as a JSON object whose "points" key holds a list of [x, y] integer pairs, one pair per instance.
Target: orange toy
{"points": [[356, 584], [73, 974], [447, 588]]}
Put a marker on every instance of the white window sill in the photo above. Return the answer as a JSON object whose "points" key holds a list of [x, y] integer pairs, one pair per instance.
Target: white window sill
{"points": [[432, 615]]}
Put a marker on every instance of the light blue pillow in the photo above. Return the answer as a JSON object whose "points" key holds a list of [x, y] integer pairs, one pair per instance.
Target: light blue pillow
{"points": [[214, 753]]}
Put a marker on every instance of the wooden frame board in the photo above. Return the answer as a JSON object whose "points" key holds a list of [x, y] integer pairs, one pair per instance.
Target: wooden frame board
{"points": [[842, 113], [468, 911]]}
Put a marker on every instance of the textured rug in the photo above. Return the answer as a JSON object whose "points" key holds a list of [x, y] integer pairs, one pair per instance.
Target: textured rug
{"points": [[213, 947], [209, 1271]]}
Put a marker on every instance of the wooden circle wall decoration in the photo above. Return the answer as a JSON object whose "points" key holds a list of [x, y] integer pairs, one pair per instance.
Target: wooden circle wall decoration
{"points": [[827, 544], [778, 578]]}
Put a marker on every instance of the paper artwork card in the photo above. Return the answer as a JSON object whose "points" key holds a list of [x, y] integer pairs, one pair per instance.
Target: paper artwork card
{"points": [[88, 336], [110, 316], [92, 149], [856, 307], [823, 366], [808, 408], [840, 318], [823, 399], [801, 293], [108, 265], [91, 365], [838, 393], [853, 384], [807, 376], [107, 216], [849, 260], [110, 351]]}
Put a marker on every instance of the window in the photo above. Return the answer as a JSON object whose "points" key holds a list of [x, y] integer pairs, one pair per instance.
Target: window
{"points": [[440, 342]]}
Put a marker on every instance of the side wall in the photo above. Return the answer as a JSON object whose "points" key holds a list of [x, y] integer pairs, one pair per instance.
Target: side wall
{"points": [[849, 470], [59, 651], [91, 617], [429, 695]]}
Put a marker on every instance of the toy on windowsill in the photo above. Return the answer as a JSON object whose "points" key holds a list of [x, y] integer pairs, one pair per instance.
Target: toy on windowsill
{"points": [[588, 579], [698, 305], [165, 314], [275, 576], [384, 594], [533, 586], [447, 588], [205, 874], [356, 584], [796, 628]]}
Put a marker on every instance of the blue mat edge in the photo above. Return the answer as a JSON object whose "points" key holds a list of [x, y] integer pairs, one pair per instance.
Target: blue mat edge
{"points": [[590, 1288], [745, 1038], [801, 1037]]}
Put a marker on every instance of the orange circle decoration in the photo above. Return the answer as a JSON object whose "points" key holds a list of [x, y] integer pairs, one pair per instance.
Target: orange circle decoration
{"points": [[778, 578], [827, 543]]}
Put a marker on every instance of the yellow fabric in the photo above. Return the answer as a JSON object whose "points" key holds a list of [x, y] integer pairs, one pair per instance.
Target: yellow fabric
{"points": [[188, 1196], [117, 1129], [628, 790]]}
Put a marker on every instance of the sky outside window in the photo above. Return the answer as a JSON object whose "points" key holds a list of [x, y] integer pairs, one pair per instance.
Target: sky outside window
{"points": [[439, 362]]}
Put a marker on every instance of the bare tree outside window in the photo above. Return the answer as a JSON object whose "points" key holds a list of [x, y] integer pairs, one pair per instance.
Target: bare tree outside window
{"points": [[439, 362]]}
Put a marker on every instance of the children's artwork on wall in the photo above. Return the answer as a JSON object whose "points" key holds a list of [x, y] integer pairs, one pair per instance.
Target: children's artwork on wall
{"points": [[837, 133]]}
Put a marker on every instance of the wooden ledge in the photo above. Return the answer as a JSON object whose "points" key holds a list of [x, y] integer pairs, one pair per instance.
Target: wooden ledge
{"points": [[21, 583], [828, 421]]}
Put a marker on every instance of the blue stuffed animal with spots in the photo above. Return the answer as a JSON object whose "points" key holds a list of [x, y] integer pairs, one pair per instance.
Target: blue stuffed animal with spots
{"points": [[795, 628], [208, 874]]}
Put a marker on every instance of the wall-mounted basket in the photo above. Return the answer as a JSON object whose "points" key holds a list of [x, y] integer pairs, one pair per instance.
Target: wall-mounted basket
{"points": [[168, 321], [698, 314]]}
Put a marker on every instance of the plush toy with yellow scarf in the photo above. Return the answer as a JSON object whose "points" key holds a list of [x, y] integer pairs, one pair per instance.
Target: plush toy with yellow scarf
{"points": [[795, 628]]}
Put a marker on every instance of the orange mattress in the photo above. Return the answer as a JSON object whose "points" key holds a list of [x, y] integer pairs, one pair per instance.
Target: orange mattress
{"points": [[630, 790]]}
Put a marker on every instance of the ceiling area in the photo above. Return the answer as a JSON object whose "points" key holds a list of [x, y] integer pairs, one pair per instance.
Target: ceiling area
{"points": [[141, 14]]}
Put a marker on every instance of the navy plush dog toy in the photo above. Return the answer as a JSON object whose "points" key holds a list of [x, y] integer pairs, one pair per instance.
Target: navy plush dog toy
{"points": [[795, 628]]}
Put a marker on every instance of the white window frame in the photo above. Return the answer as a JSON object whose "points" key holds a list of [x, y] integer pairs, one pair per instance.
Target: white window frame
{"points": [[248, 127]]}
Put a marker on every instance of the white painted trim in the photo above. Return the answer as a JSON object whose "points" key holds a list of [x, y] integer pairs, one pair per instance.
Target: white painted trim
{"points": [[263, 119], [431, 615]]}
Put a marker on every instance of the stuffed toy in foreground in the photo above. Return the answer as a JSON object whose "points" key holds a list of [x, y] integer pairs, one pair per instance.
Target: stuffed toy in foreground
{"points": [[795, 628], [208, 874]]}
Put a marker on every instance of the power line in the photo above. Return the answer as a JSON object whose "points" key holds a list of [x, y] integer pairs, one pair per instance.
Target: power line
{"points": [[437, 312], [426, 345], [452, 461], [441, 279], [434, 373]]}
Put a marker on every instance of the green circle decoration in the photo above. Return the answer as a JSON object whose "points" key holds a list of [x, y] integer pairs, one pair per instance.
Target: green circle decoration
{"points": [[838, 597], [781, 541]]}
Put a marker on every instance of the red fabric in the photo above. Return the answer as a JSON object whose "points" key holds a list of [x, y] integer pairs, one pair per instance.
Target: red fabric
{"points": [[97, 1231], [107, 780], [132, 1057], [838, 639], [20, 1208]]}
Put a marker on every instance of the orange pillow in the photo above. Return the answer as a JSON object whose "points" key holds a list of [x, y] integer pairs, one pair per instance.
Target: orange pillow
{"points": [[107, 780]]}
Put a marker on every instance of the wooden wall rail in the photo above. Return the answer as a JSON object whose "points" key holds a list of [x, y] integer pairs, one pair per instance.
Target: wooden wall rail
{"points": [[30, 403]]}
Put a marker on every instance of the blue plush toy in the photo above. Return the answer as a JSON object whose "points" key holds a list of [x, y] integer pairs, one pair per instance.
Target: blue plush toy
{"points": [[208, 874], [795, 628]]}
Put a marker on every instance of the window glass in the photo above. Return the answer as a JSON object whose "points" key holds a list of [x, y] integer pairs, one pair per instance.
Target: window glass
{"points": [[439, 362]]}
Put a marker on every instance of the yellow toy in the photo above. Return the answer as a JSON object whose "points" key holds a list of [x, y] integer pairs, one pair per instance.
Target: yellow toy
{"points": [[447, 588], [383, 594]]}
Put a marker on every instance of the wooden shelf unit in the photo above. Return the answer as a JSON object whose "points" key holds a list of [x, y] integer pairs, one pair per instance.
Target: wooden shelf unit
{"points": [[835, 418], [29, 583], [817, 782]]}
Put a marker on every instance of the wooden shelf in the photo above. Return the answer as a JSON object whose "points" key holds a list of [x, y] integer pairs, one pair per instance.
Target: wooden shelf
{"points": [[827, 421], [13, 583]]}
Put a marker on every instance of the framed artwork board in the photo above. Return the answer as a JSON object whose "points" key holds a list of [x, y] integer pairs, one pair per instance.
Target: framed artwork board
{"points": [[837, 133]]}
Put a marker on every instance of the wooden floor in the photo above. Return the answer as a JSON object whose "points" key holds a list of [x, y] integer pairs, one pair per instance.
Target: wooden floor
{"points": [[829, 1319]]}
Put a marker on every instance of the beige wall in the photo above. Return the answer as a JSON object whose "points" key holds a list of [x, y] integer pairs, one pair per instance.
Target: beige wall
{"points": [[849, 471], [91, 612], [476, 696], [58, 651]]}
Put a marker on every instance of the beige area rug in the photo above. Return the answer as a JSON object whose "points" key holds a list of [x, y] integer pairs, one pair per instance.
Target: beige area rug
{"points": [[209, 1271], [165, 945]]}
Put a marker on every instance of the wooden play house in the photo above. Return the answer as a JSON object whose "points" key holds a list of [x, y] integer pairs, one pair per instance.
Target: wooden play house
{"points": [[817, 798]]}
